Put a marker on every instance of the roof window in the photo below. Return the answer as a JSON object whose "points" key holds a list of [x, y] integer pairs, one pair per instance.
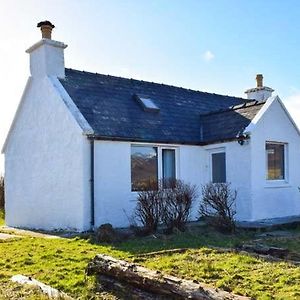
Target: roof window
{"points": [[147, 104]]}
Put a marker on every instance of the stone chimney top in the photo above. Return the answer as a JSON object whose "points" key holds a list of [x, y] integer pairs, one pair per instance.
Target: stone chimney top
{"points": [[46, 29], [259, 80], [260, 92]]}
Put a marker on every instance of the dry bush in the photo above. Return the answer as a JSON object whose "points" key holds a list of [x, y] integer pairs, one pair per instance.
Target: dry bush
{"points": [[218, 206], [178, 199], [165, 202], [1, 192], [148, 208]]}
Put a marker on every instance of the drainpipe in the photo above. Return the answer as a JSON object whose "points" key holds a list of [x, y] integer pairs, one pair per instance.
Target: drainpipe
{"points": [[92, 186]]}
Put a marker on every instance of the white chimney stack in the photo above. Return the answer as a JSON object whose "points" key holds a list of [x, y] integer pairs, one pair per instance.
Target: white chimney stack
{"points": [[47, 56], [260, 92]]}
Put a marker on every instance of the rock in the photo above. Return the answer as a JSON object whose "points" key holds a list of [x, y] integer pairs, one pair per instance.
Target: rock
{"points": [[51, 292], [107, 234]]}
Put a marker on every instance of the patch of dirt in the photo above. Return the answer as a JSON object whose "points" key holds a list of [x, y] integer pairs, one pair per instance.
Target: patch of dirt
{"points": [[5, 236]]}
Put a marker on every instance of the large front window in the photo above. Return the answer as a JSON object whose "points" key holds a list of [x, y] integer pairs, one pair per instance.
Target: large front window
{"points": [[149, 164], [275, 161], [143, 167]]}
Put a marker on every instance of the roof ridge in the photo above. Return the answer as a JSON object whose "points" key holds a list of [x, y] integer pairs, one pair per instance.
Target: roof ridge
{"points": [[156, 83], [246, 104]]}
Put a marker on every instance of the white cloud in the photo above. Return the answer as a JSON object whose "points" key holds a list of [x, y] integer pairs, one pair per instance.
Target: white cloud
{"points": [[208, 55]]}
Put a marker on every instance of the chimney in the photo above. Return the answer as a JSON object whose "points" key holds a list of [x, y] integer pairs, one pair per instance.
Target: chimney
{"points": [[46, 29], [260, 92], [259, 80], [47, 55]]}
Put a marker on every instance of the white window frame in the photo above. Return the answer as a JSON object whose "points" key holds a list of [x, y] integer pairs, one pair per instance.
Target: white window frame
{"points": [[214, 151], [159, 159], [277, 182]]}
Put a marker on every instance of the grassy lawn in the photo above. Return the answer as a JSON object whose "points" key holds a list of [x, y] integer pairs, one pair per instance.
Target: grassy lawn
{"points": [[1, 217], [292, 243], [61, 263]]}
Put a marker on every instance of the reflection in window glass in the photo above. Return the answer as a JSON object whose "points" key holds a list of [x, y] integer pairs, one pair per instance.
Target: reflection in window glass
{"points": [[275, 161], [143, 167]]}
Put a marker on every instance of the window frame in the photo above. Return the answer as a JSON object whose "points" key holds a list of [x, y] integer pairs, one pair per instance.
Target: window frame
{"points": [[159, 159], [285, 164], [215, 151]]}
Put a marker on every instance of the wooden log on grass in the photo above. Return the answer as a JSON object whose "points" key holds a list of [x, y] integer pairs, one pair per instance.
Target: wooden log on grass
{"points": [[154, 281]]}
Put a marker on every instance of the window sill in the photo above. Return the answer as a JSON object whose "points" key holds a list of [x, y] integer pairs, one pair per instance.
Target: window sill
{"points": [[277, 184]]}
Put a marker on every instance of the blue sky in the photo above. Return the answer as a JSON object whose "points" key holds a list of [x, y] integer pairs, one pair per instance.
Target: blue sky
{"points": [[215, 46]]}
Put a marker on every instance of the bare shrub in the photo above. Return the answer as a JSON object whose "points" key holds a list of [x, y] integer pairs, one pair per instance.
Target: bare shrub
{"points": [[177, 202], [167, 202], [1, 192], [148, 208], [218, 206]]}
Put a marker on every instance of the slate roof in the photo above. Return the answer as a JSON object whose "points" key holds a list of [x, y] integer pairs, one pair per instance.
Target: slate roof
{"points": [[226, 124], [185, 116]]}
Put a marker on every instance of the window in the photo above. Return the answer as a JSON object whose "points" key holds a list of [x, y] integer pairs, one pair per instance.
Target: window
{"points": [[147, 104], [168, 166], [149, 164], [275, 161], [218, 167], [143, 167]]}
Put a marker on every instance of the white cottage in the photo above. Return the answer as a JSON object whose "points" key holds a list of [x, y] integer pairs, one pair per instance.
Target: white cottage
{"points": [[81, 144]]}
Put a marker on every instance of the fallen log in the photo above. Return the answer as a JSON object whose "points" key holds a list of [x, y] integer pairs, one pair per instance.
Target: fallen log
{"points": [[154, 281], [266, 250], [161, 252]]}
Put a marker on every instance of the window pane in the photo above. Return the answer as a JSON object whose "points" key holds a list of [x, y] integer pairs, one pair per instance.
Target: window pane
{"points": [[275, 161], [218, 167], [143, 167], [168, 164]]}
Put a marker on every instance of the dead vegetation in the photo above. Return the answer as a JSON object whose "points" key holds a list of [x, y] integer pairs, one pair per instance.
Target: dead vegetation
{"points": [[168, 202], [218, 206]]}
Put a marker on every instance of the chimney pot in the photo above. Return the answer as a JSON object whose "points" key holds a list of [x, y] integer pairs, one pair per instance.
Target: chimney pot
{"points": [[46, 29], [259, 80]]}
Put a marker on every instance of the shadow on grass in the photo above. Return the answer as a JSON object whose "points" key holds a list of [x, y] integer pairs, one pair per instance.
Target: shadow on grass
{"points": [[193, 238]]}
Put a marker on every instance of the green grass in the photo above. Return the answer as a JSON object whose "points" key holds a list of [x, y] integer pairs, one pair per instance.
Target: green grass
{"points": [[2, 222], [62, 262], [292, 243]]}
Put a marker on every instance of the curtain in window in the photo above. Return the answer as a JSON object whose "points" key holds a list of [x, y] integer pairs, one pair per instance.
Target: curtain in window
{"points": [[168, 166], [168, 161]]}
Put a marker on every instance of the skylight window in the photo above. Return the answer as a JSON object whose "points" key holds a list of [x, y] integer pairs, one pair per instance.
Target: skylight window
{"points": [[147, 104]]}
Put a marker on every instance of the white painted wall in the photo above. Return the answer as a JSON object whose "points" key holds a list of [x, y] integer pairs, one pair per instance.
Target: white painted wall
{"points": [[47, 58], [114, 201], [238, 173], [274, 199], [46, 164]]}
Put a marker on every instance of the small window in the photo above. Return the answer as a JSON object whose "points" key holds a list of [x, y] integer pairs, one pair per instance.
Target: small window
{"points": [[168, 167], [275, 161], [143, 167], [147, 104], [218, 168]]}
